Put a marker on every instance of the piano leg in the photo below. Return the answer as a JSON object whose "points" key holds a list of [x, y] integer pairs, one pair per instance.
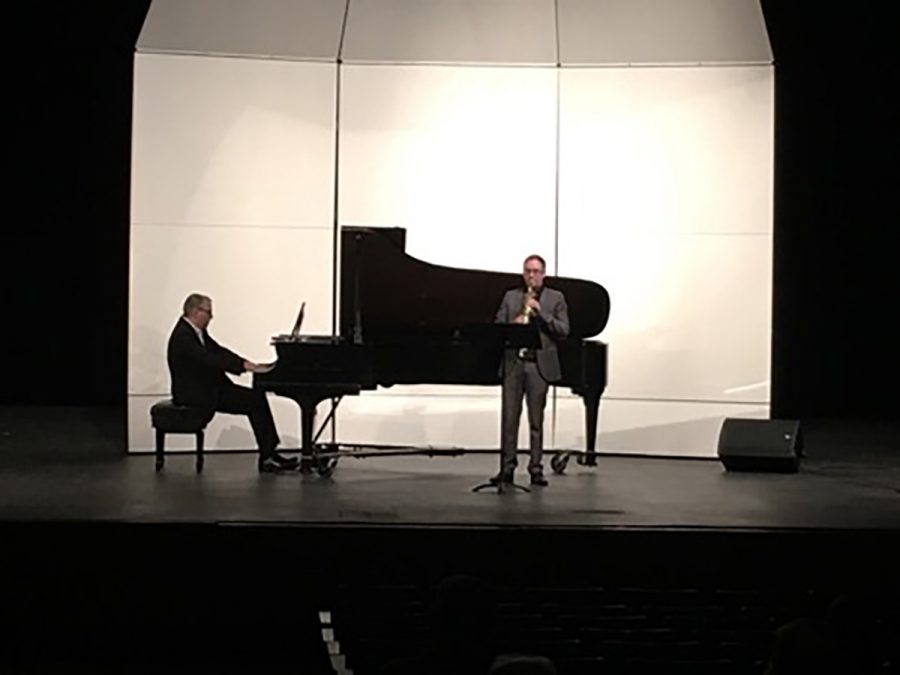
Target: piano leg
{"points": [[591, 399], [308, 405], [309, 400]]}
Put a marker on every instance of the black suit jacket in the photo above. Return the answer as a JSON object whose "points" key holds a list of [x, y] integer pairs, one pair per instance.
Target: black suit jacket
{"points": [[198, 371]]}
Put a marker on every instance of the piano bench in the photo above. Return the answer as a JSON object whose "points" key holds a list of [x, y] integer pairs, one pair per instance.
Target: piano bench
{"points": [[168, 418]]}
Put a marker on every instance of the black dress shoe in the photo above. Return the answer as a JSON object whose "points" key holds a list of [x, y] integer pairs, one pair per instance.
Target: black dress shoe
{"points": [[272, 465], [284, 462], [268, 465], [538, 479]]}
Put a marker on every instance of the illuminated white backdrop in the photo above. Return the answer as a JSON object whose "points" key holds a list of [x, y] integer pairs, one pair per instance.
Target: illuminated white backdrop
{"points": [[233, 195], [666, 199], [653, 180]]}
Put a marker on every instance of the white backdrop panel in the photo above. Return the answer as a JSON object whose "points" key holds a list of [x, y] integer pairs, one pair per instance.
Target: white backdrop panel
{"points": [[677, 428], [307, 29], [257, 278], [691, 314], [662, 31], [666, 149], [226, 141], [666, 199], [464, 158], [450, 31], [410, 418]]}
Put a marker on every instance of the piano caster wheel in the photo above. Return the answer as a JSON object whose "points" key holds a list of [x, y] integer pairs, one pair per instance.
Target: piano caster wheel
{"points": [[159, 465], [587, 460], [327, 466], [559, 462]]}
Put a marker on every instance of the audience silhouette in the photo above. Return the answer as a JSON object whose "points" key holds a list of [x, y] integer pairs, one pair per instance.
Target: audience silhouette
{"points": [[463, 618], [855, 636]]}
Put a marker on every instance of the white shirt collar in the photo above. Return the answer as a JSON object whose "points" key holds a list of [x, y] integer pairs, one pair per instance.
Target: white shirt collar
{"points": [[197, 330]]}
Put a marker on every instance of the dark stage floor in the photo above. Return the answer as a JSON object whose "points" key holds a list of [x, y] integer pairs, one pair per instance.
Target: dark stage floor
{"points": [[67, 464], [110, 567]]}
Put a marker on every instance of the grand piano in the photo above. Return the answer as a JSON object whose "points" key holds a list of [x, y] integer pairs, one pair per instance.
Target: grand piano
{"points": [[404, 321]]}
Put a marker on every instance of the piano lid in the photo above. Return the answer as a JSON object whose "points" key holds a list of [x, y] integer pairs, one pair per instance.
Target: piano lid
{"points": [[397, 295]]}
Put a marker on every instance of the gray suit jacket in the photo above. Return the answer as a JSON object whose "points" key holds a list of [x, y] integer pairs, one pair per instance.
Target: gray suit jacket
{"points": [[552, 321]]}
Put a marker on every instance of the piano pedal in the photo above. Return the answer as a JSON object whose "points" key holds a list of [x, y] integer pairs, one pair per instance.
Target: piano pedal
{"points": [[326, 466], [323, 466]]}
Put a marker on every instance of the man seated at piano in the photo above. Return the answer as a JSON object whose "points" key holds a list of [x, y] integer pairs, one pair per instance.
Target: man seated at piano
{"points": [[529, 372], [198, 366]]}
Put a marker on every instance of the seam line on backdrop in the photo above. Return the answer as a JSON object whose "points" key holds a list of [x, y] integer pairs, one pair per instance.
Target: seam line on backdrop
{"points": [[336, 221], [335, 216], [673, 64], [565, 397], [713, 401], [555, 66], [265, 226], [450, 64], [556, 30], [553, 417], [694, 233], [232, 226], [456, 64], [327, 60]]}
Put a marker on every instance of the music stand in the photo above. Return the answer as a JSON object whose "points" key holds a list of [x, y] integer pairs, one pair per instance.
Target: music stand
{"points": [[510, 336]]}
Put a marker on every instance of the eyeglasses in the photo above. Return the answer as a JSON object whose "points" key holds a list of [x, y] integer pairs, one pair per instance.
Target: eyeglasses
{"points": [[205, 309]]}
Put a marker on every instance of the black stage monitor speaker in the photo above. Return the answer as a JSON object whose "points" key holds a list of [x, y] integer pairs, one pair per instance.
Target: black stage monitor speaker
{"points": [[760, 445]]}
